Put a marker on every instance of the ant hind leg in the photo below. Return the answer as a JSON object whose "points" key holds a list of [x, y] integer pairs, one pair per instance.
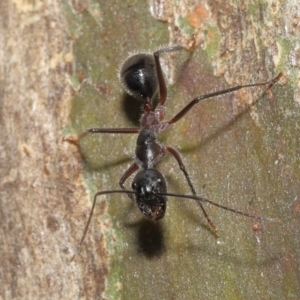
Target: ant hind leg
{"points": [[159, 73], [176, 155]]}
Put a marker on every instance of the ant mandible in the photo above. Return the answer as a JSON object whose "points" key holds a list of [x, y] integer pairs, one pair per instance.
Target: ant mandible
{"points": [[141, 75]]}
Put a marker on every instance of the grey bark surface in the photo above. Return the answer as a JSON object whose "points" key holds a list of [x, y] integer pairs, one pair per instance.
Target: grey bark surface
{"points": [[41, 177], [58, 77]]}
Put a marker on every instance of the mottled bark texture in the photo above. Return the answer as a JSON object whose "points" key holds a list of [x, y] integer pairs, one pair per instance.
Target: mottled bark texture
{"points": [[58, 77]]}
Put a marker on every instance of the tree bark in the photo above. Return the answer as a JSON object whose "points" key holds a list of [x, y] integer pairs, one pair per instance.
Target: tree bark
{"points": [[59, 64]]}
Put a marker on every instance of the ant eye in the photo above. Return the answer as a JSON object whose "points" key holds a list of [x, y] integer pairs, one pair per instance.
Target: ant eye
{"points": [[141, 75]]}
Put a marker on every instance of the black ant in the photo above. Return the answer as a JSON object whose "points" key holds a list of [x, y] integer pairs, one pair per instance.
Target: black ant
{"points": [[141, 75]]}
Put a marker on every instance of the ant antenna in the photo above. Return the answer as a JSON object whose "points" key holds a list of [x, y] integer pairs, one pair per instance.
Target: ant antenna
{"points": [[91, 215], [141, 75], [191, 197]]}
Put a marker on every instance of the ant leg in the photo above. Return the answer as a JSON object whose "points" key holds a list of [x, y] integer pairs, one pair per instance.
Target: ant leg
{"points": [[183, 169], [110, 130], [129, 172], [134, 167], [159, 73], [203, 97], [76, 140]]}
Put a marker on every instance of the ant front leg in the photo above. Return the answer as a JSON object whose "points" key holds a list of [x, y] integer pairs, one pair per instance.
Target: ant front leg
{"points": [[133, 168], [176, 155]]}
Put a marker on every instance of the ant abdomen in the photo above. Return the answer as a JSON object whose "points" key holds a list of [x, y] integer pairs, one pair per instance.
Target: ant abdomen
{"points": [[138, 76], [141, 75]]}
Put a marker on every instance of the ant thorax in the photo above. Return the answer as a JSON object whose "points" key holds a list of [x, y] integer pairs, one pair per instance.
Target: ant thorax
{"points": [[154, 120], [142, 76], [148, 151]]}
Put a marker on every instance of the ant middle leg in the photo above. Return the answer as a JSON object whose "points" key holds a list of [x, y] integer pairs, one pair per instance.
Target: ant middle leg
{"points": [[109, 130], [76, 140], [176, 155]]}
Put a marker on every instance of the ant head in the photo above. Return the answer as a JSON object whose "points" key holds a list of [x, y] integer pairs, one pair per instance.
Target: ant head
{"points": [[147, 183], [138, 76]]}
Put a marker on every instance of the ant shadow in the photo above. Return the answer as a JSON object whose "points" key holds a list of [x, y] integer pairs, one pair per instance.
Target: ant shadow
{"points": [[132, 108], [149, 237], [133, 111], [149, 185], [133, 114], [223, 128]]}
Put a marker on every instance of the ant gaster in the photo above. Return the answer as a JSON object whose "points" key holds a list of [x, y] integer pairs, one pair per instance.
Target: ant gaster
{"points": [[141, 75]]}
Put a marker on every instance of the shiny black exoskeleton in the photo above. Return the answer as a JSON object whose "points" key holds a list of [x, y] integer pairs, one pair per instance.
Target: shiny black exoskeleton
{"points": [[141, 76], [136, 75], [147, 183]]}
